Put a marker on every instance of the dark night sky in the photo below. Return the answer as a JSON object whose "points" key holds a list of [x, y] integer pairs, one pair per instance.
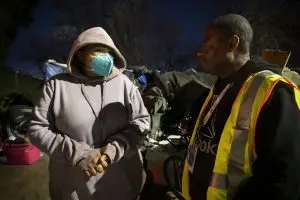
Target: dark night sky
{"points": [[45, 17], [192, 15]]}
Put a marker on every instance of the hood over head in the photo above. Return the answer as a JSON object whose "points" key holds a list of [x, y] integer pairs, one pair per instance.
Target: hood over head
{"points": [[94, 36]]}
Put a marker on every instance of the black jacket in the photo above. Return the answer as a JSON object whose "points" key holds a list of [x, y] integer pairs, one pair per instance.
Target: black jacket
{"points": [[277, 139]]}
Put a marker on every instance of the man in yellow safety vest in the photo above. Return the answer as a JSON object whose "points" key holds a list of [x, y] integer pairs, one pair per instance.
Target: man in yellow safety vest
{"points": [[246, 140]]}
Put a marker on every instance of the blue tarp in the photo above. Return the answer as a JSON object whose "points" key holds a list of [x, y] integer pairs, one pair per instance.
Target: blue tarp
{"points": [[50, 69]]}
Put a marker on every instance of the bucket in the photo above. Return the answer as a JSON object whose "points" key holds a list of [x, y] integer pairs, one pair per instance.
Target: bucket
{"points": [[21, 154]]}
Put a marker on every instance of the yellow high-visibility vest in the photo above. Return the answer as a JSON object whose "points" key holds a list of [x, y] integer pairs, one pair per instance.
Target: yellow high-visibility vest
{"points": [[236, 150]]}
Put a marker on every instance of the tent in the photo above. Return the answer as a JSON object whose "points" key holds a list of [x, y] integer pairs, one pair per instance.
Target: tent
{"points": [[170, 95]]}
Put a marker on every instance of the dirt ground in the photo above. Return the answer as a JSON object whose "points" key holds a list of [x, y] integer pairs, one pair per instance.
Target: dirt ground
{"points": [[31, 183], [24, 182]]}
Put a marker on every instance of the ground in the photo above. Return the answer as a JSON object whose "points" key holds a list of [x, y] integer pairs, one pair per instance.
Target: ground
{"points": [[25, 182], [31, 183]]}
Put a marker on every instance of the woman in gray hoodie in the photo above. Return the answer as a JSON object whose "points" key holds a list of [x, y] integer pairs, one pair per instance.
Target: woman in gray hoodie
{"points": [[90, 122]]}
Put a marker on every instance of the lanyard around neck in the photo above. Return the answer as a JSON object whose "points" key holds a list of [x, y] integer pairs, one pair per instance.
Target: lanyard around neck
{"points": [[215, 104]]}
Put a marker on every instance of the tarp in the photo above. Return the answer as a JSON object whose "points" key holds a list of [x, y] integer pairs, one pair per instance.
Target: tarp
{"points": [[52, 68], [182, 102], [171, 82], [291, 75], [177, 92]]}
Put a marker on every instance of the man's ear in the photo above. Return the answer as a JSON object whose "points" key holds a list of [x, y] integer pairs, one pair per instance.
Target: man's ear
{"points": [[234, 43]]}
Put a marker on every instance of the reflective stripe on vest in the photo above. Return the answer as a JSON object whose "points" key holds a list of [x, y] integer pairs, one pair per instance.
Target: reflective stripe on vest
{"points": [[239, 139], [235, 171], [236, 150], [297, 96]]}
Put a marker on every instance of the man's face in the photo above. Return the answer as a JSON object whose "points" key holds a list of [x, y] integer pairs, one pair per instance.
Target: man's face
{"points": [[213, 52]]}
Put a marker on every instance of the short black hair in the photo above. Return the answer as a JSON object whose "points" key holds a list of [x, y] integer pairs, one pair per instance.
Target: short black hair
{"points": [[234, 24]]}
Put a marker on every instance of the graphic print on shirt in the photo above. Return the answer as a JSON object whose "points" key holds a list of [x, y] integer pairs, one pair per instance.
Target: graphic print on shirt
{"points": [[206, 134]]}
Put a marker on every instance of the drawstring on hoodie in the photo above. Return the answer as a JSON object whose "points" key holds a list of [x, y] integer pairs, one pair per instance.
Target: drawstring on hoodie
{"points": [[101, 117], [89, 100], [102, 93]]}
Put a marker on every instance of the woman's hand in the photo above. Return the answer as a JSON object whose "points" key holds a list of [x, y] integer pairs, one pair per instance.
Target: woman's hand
{"points": [[89, 163], [98, 167], [107, 154], [98, 160]]}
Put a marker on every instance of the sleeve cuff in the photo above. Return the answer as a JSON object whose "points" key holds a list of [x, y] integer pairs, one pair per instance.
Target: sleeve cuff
{"points": [[111, 152]]}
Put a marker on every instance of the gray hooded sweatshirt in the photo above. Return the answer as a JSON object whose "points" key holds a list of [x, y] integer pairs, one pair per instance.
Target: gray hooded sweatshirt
{"points": [[76, 114]]}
